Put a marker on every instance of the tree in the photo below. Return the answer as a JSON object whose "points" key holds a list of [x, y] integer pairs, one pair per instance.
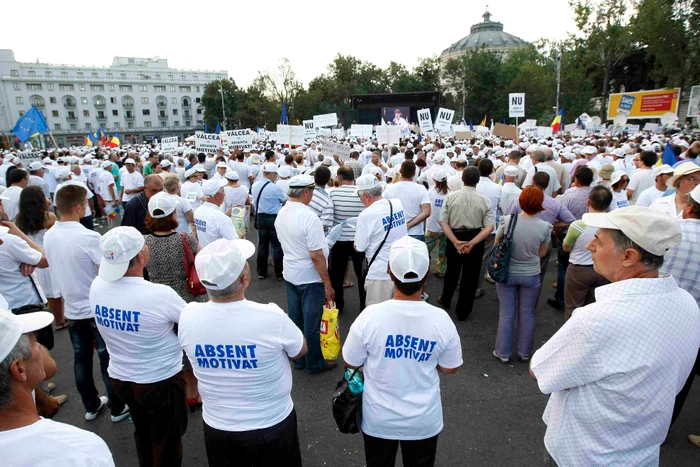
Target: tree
{"points": [[282, 84], [211, 101], [255, 108]]}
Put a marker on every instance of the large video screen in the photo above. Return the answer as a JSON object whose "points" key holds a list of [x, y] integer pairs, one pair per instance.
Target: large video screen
{"points": [[396, 115]]}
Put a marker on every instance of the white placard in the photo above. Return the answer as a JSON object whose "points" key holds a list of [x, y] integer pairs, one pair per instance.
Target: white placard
{"points": [[208, 143], [544, 131], [516, 105], [243, 139], [425, 121], [331, 149], [569, 128], [632, 128], [444, 119], [361, 131], [169, 144], [29, 157], [309, 129], [298, 135], [580, 133], [650, 126], [324, 120], [694, 102], [388, 134], [339, 133], [292, 135]]}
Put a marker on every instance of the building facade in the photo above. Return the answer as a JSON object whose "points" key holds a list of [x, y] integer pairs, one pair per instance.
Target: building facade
{"points": [[141, 98]]}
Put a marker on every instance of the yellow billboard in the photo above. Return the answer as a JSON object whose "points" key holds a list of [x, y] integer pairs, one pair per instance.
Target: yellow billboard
{"points": [[644, 104]]}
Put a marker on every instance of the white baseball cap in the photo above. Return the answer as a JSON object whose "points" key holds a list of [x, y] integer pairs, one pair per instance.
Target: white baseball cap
{"points": [[269, 167], [651, 229], [211, 187], [301, 181], [106, 164], [119, 246], [222, 165], [199, 168], [695, 194], [161, 202], [232, 175], [130, 161], [221, 262], [439, 158], [165, 163], [511, 171], [284, 172], [36, 165], [408, 255], [590, 150], [617, 176], [366, 182], [190, 172], [439, 175], [13, 326], [662, 169]]}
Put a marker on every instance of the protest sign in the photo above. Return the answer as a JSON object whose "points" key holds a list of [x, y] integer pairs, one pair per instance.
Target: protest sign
{"points": [[324, 120], [243, 139], [388, 134], [292, 135], [208, 143], [331, 149], [339, 132], [361, 131], [516, 105], [463, 134], [580, 133], [425, 121], [650, 126], [544, 131], [444, 120], [169, 144], [29, 157], [569, 128], [309, 128], [505, 131], [298, 135], [632, 128]]}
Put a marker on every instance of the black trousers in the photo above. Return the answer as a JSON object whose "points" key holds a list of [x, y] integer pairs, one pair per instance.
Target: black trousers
{"points": [[267, 237], [463, 270], [275, 446], [381, 452], [340, 253]]}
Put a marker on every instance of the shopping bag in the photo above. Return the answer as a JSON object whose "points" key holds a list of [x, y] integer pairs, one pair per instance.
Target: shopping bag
{"points": [[238, 218], [330, 332]]}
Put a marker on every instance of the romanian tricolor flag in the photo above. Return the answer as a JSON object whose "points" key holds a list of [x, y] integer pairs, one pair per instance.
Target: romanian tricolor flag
{"points": [[556, 123], [102, 137], [88, 141], [114, 140]]}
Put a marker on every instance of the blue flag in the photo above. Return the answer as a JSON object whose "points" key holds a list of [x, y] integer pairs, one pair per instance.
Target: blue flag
{"points": [[206, 128], [464, 122], [669, 157], [283, 118], [579, 123], [218, 129], [92, 137], [471, 125], [30, 124]]}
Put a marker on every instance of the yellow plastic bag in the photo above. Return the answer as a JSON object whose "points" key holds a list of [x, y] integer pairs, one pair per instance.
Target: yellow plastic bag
{"points": [[238, 218], [330, 332]]}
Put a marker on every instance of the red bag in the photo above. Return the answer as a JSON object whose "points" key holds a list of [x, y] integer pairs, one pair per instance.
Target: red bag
{"points": [[194, 286]]}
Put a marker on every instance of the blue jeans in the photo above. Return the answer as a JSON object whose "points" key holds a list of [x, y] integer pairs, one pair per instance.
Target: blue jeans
{"points": [[305, 307], [420, 238], [83, 335], [518, 294]]}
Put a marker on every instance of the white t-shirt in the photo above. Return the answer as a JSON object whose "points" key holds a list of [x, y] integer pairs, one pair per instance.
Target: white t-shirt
{"points": [[436, 200], [372, 225], [640, 180], [35, 180], [283, 184], [300, 231], [649, 195], [104, 180], [401, 343], [619, 200], [243, 171], [130, 181], [46, 443], [412, 196], [183, 206], [88, 210], [193, 193], [542, 167], [235, 196], [74, 252], [492, 191], [212, 224], [16, 288], [135, 317], [11, 205], [240, 355], [509, 191]]}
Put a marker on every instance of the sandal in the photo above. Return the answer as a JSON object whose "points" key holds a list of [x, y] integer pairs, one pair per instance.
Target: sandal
{"points": [[62, 325], [347, 284]]}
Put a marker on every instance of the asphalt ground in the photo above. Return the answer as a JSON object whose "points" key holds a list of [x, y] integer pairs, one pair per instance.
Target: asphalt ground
{"points": [[492, 412]]}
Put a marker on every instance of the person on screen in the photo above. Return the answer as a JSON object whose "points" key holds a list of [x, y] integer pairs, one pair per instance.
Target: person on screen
{"points": [[399, 120]]}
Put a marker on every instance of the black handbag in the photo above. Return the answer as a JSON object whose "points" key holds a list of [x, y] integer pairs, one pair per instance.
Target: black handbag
{"points": [[347, 407], [499, 259], [257, 205]]}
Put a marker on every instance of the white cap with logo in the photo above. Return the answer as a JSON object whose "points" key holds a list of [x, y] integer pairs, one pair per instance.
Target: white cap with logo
{"points": [[301, 181], [211, 187], [269, 167], [409, 256], [13, 326], [162, 202], [221, 262], [119, 246], [366, 182]]}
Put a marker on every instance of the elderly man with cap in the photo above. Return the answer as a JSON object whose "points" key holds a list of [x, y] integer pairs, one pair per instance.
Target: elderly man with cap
{"points": [[510, 190], [135, 318], [412, 342], [614, 369], [221, 169], [132, 181], [106, 187], [685, 178], [36, 177], [268, 199], [242, 367], [539, 158], [25, 437], [211, 223], [661, 174], [137, 207], [305, 268], [191, 190]]}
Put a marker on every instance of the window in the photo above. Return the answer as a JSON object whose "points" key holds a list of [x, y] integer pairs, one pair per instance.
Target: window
{"points": [[143, 88], [174, 111], [170, 77], [115, 113], [109, 76], [127, 102], [81, 87], [17, 86], [147, 124], [164, 123], [186, 113], [125, 87], [48, 74], [185, 102], [52, 100], [110, 87], [71, 115], [103, 126], [188, 123], [21, 113], [32, 73], [112, 100], [185, 88], [146, 111], [14, 72], [86, 113], [144, 100], [94, 75], [142, 76], [176, 123], [97, 87], [183, 77], [157, 76], [33, 87], [159, 88], [99, 101], [66, 87], [196, 78], [173, 100], [73, 126], [101, 115], [20, 100], [37, 102], [54, 113], [162, 114], [122, 75], [80, 74], [56, 126], [172, 88], [88, 126], [199, 111], [50, 87], [207, 78], [130, 124], [128, 114], [197, 88], [116, 125], [198, 100], [64, 74], [83, 100]]}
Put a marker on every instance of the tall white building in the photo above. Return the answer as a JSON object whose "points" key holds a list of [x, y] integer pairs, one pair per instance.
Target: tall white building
{"points": [[141, 98]]}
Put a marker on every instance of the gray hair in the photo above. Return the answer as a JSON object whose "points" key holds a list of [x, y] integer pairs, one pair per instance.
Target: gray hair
{"points": [[374, 192], [226, 293], [549, 153], [539, 155], [296, 192], [21, 351], [648, 260]]}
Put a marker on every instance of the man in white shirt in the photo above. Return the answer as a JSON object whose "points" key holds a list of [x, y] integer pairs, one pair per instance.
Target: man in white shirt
{"points": [[17, 180], [413, 197], [510, 190], [36, 178], [492, 191], [26, 438], [411, 341], [242, 368], [454, 182], [132, 181], [643, 177], [211, 223], [651, 194], [381, 223], [305, 268], [75, 253], [244, 173], [685, 178], [191, 190], [540, 159], [614, 369], [221, 169], [135, 318]]}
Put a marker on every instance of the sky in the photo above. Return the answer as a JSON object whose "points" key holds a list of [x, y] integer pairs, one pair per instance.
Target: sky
{"points": [[245, 38]]}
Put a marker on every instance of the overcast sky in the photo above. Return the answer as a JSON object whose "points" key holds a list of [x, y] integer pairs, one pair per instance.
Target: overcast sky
{"points": [[244, 38]]}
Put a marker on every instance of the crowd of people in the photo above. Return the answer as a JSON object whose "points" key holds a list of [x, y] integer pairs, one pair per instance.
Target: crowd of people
{"points": [[162, 296]]}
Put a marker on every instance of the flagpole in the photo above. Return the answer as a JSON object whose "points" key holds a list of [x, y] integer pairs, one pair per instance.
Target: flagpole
{"points": [[53, 140], [223, 109]]}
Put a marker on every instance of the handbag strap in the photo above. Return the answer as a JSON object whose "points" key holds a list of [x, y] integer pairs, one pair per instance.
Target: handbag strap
{"points": [[511, 227], [189, 256], [257, 201], [391, 221]]}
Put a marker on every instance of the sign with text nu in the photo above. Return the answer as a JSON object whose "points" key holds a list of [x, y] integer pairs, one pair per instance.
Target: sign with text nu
{"points": [[444, 118]]}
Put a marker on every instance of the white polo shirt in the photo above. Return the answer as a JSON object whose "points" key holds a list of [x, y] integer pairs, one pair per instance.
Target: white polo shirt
{"points": [[212, 224], [667, 204], [300, 231], [193, 193], [640, 180], [74, 252], [104, 180], [240, 355], [130, 181], [372, 225], [135, 317], [412, 196], [649, 195], [614, 370], [16, 288], [401, 343]]}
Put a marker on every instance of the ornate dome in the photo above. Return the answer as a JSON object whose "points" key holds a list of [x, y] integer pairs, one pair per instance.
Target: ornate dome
{"points": [[488, 34]]}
